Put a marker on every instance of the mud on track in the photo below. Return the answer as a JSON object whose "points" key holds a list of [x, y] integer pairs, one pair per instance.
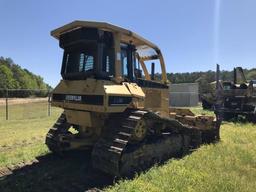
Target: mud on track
{"points": [[72, 172]]}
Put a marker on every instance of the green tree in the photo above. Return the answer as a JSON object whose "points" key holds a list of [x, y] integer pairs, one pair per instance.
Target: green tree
{"points": [[12, 76], [251, 75], [6, 78]]}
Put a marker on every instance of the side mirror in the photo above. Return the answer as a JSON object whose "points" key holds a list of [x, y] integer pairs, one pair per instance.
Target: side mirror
{"points": [[152, 71]]}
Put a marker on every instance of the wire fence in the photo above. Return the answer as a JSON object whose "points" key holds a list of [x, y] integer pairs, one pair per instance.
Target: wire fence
{"points": [[17, 104]]}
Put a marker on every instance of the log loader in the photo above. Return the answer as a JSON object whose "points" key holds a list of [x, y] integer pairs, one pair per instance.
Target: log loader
{"points": [[236, 97]]}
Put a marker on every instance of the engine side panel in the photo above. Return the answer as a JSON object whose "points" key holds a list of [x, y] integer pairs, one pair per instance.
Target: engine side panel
{"points": [[92, 95]]}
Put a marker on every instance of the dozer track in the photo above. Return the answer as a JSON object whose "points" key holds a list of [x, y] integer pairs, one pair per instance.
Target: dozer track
{"points": [[117, 154], [108, 150], [53, 140]]}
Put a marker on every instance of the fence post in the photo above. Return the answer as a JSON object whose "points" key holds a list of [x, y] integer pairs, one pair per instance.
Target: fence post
{"points": [[49, 104], [6, 105]]}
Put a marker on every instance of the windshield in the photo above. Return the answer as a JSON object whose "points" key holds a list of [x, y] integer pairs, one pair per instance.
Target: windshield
{"points": [[79, 60], [82, 62], [88, 52]]}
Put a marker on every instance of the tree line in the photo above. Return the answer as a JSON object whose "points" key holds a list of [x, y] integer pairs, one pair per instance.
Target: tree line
{"points": [[204, 78], [208, 76], [12, 76]]}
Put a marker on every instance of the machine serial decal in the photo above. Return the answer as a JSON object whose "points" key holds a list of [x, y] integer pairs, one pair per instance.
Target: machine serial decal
{"points": [[73, 98], [83, 99]]}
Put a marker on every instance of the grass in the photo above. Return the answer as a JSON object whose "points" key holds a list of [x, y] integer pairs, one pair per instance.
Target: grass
{"points": [[23, 140], [199, 111], [25, 111], [226, 166]]}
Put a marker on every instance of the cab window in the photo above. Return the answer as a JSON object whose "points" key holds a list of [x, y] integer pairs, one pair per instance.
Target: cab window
{"points": [[127, 61], [124, 62]]}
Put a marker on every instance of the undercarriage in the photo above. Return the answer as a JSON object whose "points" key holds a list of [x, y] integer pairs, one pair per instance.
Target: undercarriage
{"points": [[132, 141]]}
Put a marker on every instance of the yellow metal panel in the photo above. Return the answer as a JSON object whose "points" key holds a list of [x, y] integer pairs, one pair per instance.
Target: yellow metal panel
{"points": [[79, 117], [85, 107], [81, 87], [94, 108], [153, 99], [125, 35], [119, 90], [116, 109], [164, 76], [135, 90], [116, 90], [147, 77], [156, 100]]}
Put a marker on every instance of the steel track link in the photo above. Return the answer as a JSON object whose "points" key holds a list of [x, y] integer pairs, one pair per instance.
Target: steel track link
{"points": [[52, 138], [108, 150], [116, 154]]}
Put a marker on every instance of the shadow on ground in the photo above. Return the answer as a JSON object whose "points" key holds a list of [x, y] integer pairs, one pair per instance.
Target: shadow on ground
{"points": [[73, 172]]}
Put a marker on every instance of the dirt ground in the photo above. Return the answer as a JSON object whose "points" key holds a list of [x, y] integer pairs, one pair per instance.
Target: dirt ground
{"points": [[71, 172], [15, 101]]}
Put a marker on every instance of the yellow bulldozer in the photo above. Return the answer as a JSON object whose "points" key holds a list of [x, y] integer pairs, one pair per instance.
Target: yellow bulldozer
{"points": [[119, 110]]}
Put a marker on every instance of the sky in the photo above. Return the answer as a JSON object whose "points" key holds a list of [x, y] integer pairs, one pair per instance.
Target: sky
{"points": [[193, 35]]}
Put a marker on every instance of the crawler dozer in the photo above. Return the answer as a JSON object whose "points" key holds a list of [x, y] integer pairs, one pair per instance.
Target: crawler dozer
{"points": [[119, 110]]}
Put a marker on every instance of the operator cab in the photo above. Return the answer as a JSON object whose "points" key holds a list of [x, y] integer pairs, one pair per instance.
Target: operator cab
{"points": [[109, 53]]}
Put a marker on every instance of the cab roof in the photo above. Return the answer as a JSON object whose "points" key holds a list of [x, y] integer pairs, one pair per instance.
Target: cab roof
{"points": [[144, 47]]}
